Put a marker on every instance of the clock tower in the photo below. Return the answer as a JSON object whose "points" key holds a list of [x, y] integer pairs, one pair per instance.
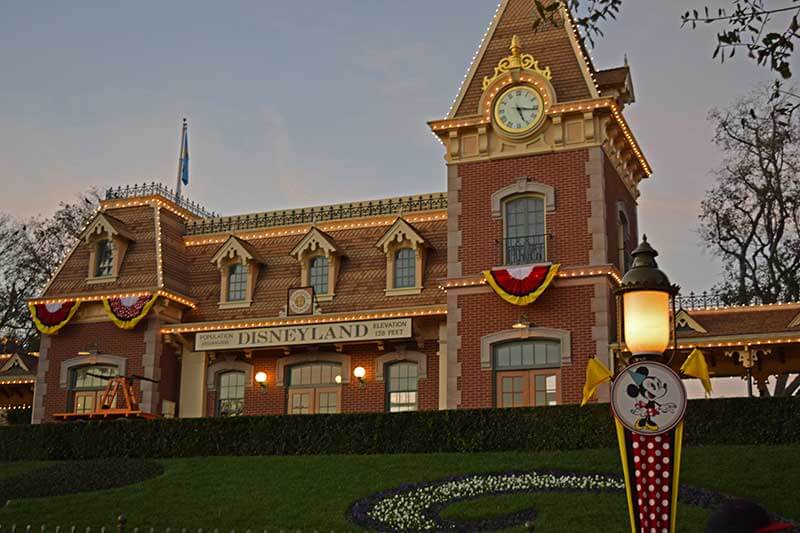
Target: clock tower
{"points": [[542, 178]]}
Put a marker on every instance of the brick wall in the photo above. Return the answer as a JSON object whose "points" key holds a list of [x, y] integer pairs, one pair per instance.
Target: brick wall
{"points": [[567, 308], [73, 338], [617, 192], [372, 398], [569, 242]]}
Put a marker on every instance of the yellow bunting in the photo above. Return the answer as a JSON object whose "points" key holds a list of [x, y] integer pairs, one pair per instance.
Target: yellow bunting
{"points": [[596, 375], [695, 366]]}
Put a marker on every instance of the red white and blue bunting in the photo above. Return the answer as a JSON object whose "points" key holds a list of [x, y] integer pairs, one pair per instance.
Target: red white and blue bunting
{"points": [[49, 318], [127, 312], [521, 285]]}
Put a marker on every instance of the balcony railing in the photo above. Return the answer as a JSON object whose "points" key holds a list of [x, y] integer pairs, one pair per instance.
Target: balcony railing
{"points": [[526, 250], [152, 189], [708, 300]]}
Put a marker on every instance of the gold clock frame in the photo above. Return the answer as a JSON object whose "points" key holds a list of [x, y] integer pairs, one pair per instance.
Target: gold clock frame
{"points": [[521, 132]]}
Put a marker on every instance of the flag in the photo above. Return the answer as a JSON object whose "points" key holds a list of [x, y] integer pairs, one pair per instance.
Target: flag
{"points": [[596, 375], [183, 160], [695, 366]]}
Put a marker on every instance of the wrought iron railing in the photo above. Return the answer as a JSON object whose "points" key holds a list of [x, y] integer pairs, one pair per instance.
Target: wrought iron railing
{"points": [[310, 215], [707, 300], [526, 250], [153, 188]]}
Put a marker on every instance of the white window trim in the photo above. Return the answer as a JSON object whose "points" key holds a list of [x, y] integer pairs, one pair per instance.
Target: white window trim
{"points": [[230, 253], [82, 360], [291, 360], [522, 187], [314, 244], [488, 342], [402, 235], [228, 365], [398, 357]]}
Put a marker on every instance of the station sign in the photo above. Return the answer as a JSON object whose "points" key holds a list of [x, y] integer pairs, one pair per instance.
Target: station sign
{"points": [[292, 335]]}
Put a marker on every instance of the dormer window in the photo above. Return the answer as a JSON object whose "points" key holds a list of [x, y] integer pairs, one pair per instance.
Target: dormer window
{"points": [[319, 263], [238, 265], [237, 282], [105, 259], [405, 268], [405, 258], [318, 275], [107, 239]]}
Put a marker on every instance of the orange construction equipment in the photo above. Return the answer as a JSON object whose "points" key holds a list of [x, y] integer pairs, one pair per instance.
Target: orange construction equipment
{"points": [[118, 390]]}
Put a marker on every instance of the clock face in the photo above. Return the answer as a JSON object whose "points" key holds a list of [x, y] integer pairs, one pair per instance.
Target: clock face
{"points": [[518, 109]]}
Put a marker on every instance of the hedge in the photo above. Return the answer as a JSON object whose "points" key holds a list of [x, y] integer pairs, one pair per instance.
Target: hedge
{"points": [[567, 427]]}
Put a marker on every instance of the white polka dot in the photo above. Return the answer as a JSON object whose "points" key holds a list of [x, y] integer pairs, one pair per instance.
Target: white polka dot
{"points": [[665, 488], [649, 445], [666, 460], [666, 445], [650, 460], [638, 473], [651, 473], [658, 439], [665, 474], [658, 467], [651, 487], [665, 503], [658, 481], [638, 487], [652, 517], [636, 459], [635, 445], [658, 453]]}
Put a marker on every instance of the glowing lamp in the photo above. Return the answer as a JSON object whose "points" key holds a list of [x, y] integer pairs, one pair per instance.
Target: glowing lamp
{"points": [[261, 379], [359, 373], [646, 292]]}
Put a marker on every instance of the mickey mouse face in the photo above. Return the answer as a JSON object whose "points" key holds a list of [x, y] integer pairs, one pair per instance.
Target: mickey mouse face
{"points": [[654, 388]]}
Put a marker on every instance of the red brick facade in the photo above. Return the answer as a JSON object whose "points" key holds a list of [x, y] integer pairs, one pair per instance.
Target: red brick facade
{"points": [[580, 161]]}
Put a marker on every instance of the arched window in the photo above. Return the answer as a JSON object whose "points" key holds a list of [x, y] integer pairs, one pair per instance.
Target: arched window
{"points": [[315, 388], [318, 275], [401, 386], [104, 263], [237, 282], [87, 384], [524, 231], [230, 393], [405, 268], [527, 372]]}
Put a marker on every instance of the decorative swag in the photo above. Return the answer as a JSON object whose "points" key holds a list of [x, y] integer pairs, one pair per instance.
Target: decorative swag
{"points": [[127, 312], [124, 312], [49, 318], [521, 285]]}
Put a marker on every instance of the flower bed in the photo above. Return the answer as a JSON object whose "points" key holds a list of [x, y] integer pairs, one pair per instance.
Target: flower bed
{"points": [[419, 506]]}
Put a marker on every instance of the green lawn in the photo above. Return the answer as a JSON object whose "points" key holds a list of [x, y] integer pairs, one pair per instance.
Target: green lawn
{"points": [[313, 492]]}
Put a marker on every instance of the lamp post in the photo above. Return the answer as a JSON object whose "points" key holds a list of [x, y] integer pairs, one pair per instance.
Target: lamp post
{"points": [[647, 397]]}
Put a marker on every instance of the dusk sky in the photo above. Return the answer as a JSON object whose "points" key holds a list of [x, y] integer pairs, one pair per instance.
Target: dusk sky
{"points": [[293, 104]]}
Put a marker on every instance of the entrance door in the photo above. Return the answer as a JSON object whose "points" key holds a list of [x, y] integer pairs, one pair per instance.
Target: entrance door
{"points": [[528, 388], [314, 388]]}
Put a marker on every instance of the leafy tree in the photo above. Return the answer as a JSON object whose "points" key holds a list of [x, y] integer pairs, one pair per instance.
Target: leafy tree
{"points": [[30, 252], [766, 29]]}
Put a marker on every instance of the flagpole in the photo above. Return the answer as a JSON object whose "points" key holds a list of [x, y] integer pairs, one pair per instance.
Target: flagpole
{"points": [[181, 160]]}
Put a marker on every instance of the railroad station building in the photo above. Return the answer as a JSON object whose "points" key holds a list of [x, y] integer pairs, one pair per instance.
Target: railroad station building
{"points": [[493, 292]]}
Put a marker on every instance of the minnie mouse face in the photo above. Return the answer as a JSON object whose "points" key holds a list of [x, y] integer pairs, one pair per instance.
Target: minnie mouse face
{"points": [[650, 387]]}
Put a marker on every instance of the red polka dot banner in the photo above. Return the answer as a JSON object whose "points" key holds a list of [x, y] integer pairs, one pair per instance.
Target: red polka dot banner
{"points": [[649, 403]]}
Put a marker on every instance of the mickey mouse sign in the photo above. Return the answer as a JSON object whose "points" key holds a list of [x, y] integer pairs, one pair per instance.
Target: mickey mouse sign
{"points": [[649, 403], [648, 398]]}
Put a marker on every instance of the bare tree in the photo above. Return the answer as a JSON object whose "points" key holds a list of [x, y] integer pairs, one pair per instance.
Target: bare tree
{"points": [[30, 253], [766, 29], [751, 217]]}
